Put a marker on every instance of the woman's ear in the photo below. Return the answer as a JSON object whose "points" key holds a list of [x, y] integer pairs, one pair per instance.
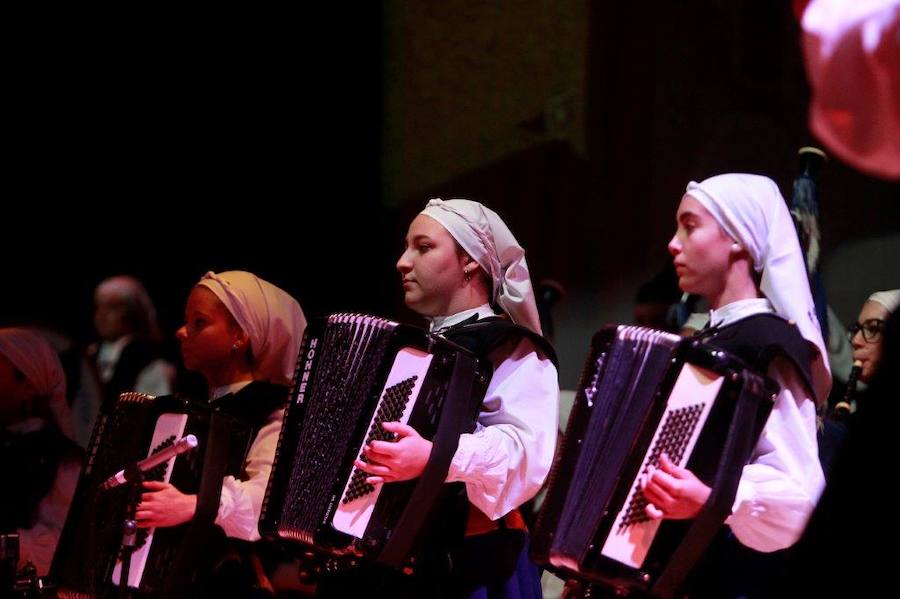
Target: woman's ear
{"points": [[240, 339], [467, 264]]}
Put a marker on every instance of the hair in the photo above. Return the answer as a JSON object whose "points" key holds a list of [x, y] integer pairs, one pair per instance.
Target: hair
{"points": [[137, 318], [140, 313]]}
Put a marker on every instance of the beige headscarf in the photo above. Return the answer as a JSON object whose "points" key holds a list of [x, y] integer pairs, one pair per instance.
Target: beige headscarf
{"points": [[487, 239], [751, 210], [34, 357], [272, 319]]}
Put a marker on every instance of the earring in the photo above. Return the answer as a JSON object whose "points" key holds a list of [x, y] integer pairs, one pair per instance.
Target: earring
{"points": [[735, 247], [467, 275], [236, 346]]}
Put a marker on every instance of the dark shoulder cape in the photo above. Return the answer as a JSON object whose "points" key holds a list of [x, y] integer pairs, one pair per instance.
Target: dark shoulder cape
{"points": [[760, 338], [254, 403], [481, 337]]}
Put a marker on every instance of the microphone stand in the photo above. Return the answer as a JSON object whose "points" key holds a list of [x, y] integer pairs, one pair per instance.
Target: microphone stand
{"points": [[133, 476], [129, 531]]}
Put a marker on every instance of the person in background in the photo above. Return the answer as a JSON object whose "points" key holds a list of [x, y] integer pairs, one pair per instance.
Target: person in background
{"points": [[38, 457], [128, 356], [866, 333]]}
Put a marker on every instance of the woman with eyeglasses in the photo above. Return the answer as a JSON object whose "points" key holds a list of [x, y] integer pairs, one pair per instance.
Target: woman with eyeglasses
{"points": [[865, 335]]}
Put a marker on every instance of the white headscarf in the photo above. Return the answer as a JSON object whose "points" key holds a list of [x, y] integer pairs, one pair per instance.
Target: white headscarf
{"points": [[889, 299], [751, 210], [487, 239], [34, 357], [272, 319]]}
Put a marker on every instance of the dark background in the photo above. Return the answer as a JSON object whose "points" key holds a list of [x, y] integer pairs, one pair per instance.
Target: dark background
{"points": [[164, 146], [165, 151]]}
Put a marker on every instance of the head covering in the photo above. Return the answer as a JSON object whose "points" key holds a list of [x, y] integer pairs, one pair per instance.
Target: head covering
{"points": [[140, 306], [487, 239], [751, 210], [34, 357], [889, 299], [272, 319]]}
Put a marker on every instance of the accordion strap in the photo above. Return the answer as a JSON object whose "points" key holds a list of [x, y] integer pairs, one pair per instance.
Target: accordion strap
{"points": [[742, 436], [459, 407]]}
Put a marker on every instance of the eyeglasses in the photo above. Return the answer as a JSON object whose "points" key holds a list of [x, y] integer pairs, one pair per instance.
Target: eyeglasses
{"points": [[870, 329]]}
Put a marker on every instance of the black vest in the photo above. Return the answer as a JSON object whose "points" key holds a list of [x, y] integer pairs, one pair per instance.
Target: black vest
{"points": [[760, 338], [483, 336], [253, 404], [226, 569]]}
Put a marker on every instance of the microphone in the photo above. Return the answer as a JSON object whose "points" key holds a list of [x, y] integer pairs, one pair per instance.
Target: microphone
{"points": [[131, 472]]}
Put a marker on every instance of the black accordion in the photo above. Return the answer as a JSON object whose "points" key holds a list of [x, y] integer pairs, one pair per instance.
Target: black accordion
{"points": [[87, 562], [644, 393], [354, 373]]}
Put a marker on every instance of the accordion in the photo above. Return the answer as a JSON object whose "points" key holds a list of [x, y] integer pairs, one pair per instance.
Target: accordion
{"points": [[354, 373], [87, 562], [644, 393]]}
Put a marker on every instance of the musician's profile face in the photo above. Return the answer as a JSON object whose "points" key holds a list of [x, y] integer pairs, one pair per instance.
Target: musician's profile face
{"points": [[431, 268], [208, 334], [868, 352], [701, 250]]}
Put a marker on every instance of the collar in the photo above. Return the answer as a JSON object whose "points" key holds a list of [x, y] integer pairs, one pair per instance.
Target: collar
{"points": [[439, 324], [224, 390], [740, 309]]}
